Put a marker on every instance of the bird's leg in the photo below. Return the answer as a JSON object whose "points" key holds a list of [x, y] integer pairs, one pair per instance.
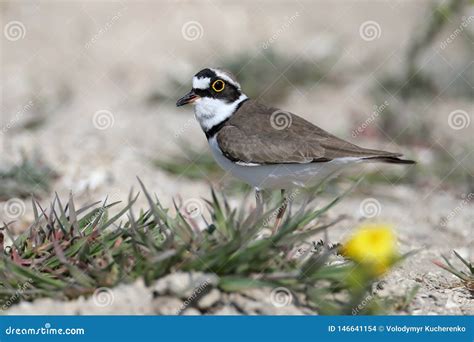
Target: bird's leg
{"points": [[289, 203], [281, 211], [259, 202]]}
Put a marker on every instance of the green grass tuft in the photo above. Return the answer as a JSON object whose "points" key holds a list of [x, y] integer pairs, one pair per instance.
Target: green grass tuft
{"points": [[466, 276], [69, 252]]}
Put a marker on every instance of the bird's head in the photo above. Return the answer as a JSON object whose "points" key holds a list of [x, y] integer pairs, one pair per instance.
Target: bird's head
{"points": [[215, 95]]}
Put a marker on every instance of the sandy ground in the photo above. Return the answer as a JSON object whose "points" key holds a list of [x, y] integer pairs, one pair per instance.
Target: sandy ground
{"points": [[77, 59]]}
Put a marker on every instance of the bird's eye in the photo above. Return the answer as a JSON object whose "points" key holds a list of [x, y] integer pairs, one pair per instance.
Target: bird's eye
{"points": [[218, 86]]}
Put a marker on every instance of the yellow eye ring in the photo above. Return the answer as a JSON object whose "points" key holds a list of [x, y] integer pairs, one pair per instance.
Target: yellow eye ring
{"points": [[218, 86]]}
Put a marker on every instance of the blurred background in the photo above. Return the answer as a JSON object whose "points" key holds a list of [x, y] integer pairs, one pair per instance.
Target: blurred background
{"points": [[89, 90]]}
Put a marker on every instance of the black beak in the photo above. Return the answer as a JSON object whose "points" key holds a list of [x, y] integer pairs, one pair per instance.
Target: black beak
{"points": [[188, 98]]}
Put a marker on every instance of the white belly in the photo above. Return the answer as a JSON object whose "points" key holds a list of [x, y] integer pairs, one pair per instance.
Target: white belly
{"points": [[283, 176]]}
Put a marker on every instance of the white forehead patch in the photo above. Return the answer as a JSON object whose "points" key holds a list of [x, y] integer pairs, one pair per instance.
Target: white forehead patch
{"points": [[201, 82], [225, 77]]}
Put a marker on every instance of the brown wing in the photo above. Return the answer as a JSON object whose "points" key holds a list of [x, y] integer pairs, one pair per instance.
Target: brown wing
{"points": [[263, 135]]}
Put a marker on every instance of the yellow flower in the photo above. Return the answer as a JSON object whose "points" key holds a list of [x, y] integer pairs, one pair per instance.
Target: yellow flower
{"points": [[374, 246]]}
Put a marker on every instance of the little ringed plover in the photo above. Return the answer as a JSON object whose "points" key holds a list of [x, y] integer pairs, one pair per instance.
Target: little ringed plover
{"points": [[266, 147]]}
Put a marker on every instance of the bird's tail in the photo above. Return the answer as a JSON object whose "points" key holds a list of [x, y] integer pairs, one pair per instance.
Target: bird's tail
{"points": [[392, 160]]}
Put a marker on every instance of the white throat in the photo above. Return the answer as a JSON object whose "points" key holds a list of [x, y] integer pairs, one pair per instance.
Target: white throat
{"points": [[210, 112]]}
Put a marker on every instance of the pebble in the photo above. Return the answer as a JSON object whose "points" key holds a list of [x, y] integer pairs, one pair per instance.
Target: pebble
{"points": [[226, 310], [185, 285], [165, 305], [209, 299]]}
